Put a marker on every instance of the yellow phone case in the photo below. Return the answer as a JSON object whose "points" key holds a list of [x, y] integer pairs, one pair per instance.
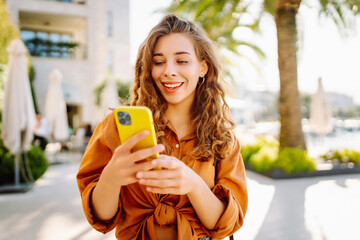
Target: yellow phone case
{"points": [[131, 120]]}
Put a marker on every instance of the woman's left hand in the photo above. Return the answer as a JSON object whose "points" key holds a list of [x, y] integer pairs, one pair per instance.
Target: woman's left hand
{"points": [[174, 177]]}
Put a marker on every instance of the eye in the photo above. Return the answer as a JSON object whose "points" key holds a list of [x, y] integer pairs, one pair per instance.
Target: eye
{"points": [[158, 63], [182, 61]]}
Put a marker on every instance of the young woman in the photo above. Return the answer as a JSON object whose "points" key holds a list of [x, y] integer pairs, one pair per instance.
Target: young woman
{"points": [[177, 75]]}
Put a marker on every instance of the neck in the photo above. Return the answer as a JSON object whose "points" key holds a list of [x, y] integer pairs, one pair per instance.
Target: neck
{"points": [[179, 116]]}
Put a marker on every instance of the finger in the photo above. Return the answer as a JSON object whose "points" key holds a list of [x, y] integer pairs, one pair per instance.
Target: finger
{"points": [[147, 152], [161, 174], [133, 140], [163, 183], [142, 167], [130, 143], [132, 179], [167, 162]]}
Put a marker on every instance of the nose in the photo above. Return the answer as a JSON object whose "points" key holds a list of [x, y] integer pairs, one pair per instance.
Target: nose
{"points": [[170, 70]]}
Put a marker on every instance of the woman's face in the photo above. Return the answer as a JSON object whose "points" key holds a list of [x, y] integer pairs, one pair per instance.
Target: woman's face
{"points": [[176, 68]]}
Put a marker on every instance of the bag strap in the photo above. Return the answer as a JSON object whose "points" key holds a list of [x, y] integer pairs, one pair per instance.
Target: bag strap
{"points": [[216, 173], [215, 164]]}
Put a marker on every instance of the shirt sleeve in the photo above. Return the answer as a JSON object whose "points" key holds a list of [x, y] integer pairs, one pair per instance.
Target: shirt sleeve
{"points": [[231, 189], [96, 157]]}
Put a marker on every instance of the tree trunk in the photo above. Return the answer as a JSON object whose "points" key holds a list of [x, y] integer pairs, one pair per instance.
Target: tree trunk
{"points": [[291, 134]]}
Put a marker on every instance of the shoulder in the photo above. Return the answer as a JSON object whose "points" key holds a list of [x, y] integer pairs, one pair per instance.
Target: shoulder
{"points": [[106, 132], [236, 143], [234, 151], [108, 122], [234, 146]]}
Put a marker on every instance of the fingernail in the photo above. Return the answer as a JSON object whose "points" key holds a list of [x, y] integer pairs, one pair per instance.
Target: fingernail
{"points": [[139, 174], [154, 162], [159, 148]]}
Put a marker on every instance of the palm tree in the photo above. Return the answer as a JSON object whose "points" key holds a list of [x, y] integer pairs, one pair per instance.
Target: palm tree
{"points": [[284, 12], [291, 134]]}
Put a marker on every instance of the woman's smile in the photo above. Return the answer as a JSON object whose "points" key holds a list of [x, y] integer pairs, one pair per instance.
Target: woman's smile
{"points": [[171, 87]]}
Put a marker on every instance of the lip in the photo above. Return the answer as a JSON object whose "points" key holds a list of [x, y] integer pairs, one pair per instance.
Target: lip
{"points": [[171, 87]]}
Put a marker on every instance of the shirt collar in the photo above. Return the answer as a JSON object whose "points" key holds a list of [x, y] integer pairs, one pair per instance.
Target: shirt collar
{"points": [[172, 129]]}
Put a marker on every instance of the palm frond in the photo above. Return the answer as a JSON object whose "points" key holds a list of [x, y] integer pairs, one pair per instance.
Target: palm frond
{"points": [[341, 12], [269, 6], [219, 19]]}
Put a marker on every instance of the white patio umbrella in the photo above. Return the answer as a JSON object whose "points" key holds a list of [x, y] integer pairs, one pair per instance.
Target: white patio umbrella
{"points": [[55, 108], [109, 98], [18, 115], [320, 113]]}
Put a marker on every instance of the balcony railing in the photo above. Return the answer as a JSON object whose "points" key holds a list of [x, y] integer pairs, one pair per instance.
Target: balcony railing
{"points": [[70, 1], [46, 48]]}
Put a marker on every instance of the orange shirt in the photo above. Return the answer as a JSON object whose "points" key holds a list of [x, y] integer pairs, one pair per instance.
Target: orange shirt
{"points": [[140, 209]]}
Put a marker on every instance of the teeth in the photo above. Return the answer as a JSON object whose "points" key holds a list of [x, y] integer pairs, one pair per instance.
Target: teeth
{"points": [[172, 85]]}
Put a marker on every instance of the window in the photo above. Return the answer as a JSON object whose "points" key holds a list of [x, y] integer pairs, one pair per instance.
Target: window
{"points": [[48, 44], [42, 43], [109, 24], [26, 36], [55, 50], [66, 38]]}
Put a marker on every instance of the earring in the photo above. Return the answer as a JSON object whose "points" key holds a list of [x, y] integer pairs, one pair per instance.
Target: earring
{"points": [[202, 80]]}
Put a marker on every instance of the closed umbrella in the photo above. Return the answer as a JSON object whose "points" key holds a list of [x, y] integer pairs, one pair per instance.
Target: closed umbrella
{"points": [[320, 114], [18, 115], [109, 98], [55, 108]]}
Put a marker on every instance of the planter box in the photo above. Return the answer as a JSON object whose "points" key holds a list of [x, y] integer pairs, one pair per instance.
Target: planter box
{"points": [[335, 169], [20, 188]]}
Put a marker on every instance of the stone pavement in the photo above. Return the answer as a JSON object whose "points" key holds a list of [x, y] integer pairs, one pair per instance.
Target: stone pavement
{"points": [[312, 208]]}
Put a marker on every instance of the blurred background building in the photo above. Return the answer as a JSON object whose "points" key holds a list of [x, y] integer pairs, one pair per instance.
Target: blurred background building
{"points": [[86, 40]]}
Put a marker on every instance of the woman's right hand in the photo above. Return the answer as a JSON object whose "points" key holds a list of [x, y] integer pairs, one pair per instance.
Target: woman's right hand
{"points": [[124, 164], [120, 171]]}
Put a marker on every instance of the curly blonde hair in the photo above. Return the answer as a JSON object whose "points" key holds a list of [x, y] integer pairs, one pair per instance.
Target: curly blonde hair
{"points": [[210, 113]]}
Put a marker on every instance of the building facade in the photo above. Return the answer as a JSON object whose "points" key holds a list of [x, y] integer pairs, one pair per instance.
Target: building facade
{"points": [[87, 40]]}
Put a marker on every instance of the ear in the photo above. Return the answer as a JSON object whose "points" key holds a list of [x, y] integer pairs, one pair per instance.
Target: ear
{"points": [[203, 68]]}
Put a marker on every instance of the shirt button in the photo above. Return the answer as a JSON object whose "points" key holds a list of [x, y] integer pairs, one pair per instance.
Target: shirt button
{"points": [[177, 145]]}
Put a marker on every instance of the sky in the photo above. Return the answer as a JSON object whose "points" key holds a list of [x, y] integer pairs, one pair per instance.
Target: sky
{"points": [[323, 52]]}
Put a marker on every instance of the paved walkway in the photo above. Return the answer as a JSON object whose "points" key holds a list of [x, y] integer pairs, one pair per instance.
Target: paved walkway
{"points": [[313, 208]]}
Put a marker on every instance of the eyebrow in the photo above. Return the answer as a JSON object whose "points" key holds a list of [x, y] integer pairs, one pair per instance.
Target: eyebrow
{"points": [[177, 53]]}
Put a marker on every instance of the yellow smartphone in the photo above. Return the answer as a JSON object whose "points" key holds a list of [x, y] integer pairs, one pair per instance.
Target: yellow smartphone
{"points": [[131, 120]]}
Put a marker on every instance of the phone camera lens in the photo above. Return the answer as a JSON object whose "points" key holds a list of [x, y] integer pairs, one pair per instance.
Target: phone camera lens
{"points": [[124, 118]]}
